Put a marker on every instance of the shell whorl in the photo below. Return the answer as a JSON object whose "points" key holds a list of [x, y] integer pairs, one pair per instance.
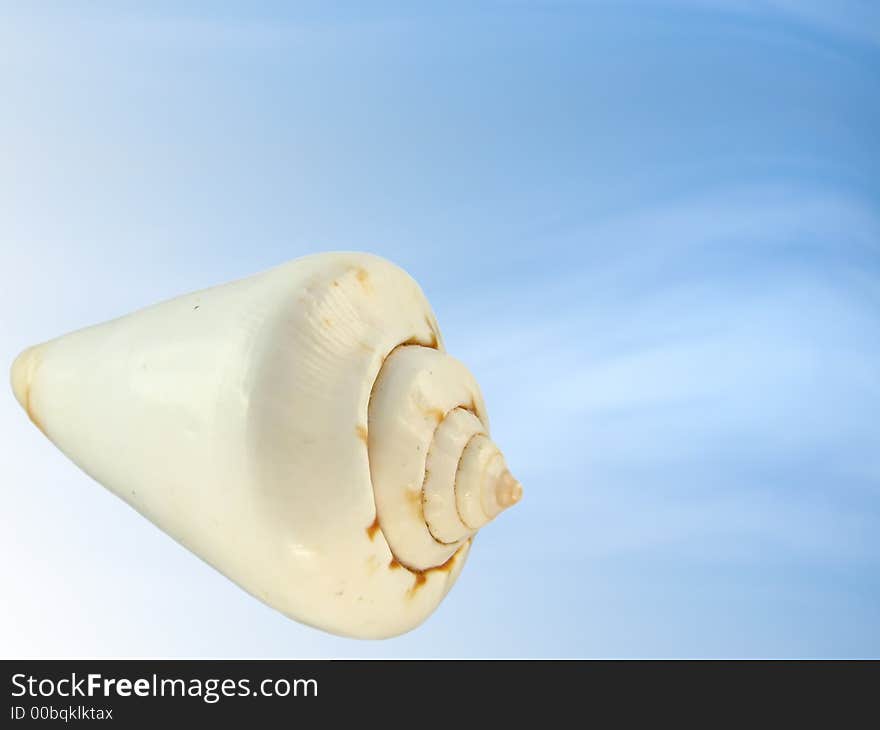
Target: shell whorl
{"points": [[437, 476]]}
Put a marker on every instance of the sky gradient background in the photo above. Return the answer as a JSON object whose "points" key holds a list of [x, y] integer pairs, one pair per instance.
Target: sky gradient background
{"points": [[652, 230]]}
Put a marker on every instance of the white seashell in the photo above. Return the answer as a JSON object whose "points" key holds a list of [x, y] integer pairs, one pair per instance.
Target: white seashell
{"points": [[301, 430]]}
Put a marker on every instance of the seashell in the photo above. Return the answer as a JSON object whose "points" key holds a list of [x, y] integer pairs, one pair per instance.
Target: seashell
{"points": [[301, 430]]}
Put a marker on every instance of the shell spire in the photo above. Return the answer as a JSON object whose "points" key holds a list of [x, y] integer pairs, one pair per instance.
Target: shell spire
{"points": [[507, 490], [426, 402]]}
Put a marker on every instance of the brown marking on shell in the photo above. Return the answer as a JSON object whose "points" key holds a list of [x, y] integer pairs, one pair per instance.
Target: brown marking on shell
{"points": [[361, 432], [363, 278], [448, 565], [435, 339], [421, 576], [32, 362], [431, 341], [438, 414], [373, 529], [415, 499], [29, 409], [327, 322]]}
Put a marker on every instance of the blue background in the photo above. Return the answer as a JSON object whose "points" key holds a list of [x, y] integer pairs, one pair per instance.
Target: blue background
{"points": [[652, 230]]}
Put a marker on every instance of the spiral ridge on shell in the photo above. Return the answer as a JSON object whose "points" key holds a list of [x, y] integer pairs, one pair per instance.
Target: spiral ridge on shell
{"points": [[437, 476]]}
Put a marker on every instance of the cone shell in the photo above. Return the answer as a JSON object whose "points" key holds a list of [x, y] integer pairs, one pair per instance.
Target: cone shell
{"points": [[280, 427]]}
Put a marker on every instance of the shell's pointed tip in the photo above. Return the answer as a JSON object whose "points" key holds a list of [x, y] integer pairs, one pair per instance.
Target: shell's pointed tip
{"points": [[508, 491], [21, 374], [22, 379]]}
